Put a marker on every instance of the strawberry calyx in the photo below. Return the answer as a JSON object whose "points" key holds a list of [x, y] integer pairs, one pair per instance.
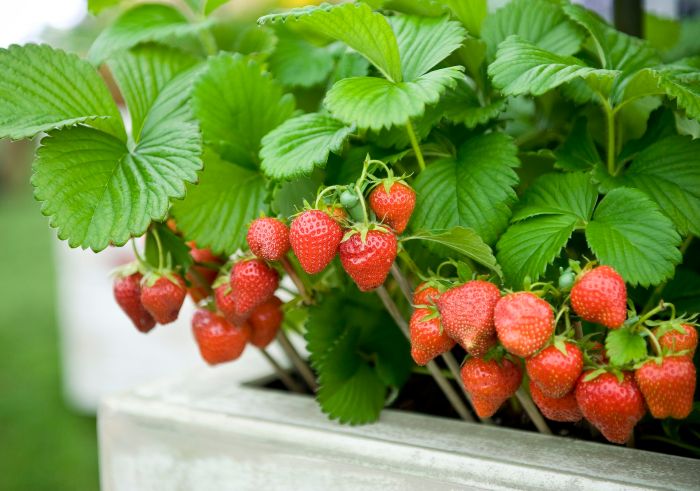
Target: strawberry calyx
{"points": [[127, 270], [363, 229], [152, 276], [617, 372]]}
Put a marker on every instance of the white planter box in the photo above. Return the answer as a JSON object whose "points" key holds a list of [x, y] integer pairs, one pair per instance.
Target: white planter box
{"points": [[205, 432]]}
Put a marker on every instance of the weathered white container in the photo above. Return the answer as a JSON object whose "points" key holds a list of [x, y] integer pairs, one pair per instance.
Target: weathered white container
{"points": [[206, 432]]}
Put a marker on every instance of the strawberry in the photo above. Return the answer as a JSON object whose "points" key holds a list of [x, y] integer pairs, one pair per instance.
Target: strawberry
{"points": [[225, 302], [524, 323], [127, 293], [553, 372], [336, 212], [600, 296], [668, 387], [424, 294], [394, 205], [265, 320], [253, 282], [674, 340], [219, 341], [315, 238], [611, 406], [564, 409], [163, 297], [268, 238], [202, 275], [428, 340], [368, 260], [467, 314], [490, 383]]}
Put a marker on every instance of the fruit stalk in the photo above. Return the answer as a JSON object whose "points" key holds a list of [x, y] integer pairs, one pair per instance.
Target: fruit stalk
{"points": [[532, 411], [432, 367], [301, 288], [414, 144], [297, 360], [286, 379]]}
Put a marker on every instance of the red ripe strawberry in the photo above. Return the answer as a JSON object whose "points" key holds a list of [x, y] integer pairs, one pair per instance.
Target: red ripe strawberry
{"points": [[201, 277], [127, 293], [395, 206], [219, 341], [674, 340], [164, 297], [368, 261], [553, 372], [226, 304], [490, 383], [253, 282], [600, 296], [428, 340], [265, 320], [524, 323], [612, 407], [315, 238], [564, 409], [268, 238], [425, 294], [668, 387], [467, 314]]}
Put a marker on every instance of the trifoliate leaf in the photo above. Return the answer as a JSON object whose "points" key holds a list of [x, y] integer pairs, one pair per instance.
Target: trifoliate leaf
{"points": [[464, 241], [578, 152], [629, 233], [367, 32], [300, 144], [376, 103], [142, 24], [523, 68], [540, 22], [623, 346], [298, 63], [424, 42], [42, 88], [237, 104], [97, 192], [217, 211], [141, 74], [473, 190]]}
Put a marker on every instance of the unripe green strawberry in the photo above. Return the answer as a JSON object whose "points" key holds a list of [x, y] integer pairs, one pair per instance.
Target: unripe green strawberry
{"points": [[253, 282], [600, 296], [268, 238], [127, 293], [428, 340], [466, 313], [315, 238], [393, 206], [219, 341], [675, 341], [163, 297], [524, 323], [611, 406], [368, 260], [563, 409], [490, 383], [668, 387], [265, 321], [553, 372]]}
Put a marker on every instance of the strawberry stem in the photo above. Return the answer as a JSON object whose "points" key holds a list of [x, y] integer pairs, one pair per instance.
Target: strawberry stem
{"points": [[286, 379], [297, 360], [532, 411], [654, 342], [139, 258], [414, 144], [298, 282], [154, 232]]}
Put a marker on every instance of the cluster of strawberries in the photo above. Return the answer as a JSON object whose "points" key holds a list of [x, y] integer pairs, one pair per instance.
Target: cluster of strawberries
{"points": [[566, 382]]}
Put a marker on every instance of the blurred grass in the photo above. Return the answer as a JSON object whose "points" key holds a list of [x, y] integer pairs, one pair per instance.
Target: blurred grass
{"points": [[43, 445]]}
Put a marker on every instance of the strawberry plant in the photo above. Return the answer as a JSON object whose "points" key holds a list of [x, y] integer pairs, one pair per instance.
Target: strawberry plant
{"points": [[535, 170]]}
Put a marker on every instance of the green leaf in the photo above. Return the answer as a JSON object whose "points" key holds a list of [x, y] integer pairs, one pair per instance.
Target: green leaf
{"points": [[461, 105], [669, 172], [237, 104], [471, 13], [367, 32], [349, 64], [424, 42], [288, 197], [216, 212], [578, 152], [205, 6], [298, 63], [629, 233], [141, 74], [42, 89], [614, 49], [623, 346], [464, 241], [523, 68], [472, 190], [559, 194], [300, 144], [141, 24], [97, 6], [97, 192], [540, 22]]}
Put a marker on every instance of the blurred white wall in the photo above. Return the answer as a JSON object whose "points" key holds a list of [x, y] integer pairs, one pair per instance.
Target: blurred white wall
{"points": [[22, 21]]}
